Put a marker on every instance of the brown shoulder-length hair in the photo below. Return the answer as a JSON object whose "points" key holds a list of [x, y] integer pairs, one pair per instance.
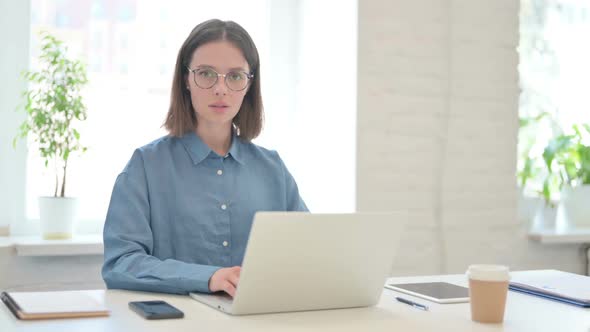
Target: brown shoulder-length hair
{"points": [[181, 117]]}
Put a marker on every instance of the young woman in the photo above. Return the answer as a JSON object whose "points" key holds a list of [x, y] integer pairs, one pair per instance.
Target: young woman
{"points": [[181, 210]]}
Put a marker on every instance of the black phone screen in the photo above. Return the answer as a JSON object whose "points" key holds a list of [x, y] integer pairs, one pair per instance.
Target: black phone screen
{"points": [[155, 309]]}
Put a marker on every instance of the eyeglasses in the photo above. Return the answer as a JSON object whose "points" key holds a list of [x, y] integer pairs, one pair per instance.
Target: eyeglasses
{"points": [[205, 78]]}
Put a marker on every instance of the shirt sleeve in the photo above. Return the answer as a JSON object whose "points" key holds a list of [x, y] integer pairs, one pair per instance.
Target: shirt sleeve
{"points": [[128, 242], [294, 200]]}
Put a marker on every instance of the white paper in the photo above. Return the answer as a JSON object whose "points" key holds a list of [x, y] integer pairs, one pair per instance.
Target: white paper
{"points": [[57, 302]]}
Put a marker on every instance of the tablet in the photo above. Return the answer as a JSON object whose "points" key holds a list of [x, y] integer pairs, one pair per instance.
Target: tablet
{"points": [[440, 292]]}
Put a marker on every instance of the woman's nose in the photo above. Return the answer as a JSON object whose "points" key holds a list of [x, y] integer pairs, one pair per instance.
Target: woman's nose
{"points": [[220, 88]]}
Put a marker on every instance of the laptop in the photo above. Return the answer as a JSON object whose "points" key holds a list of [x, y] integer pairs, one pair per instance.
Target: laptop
{"points": [[298, 261]]}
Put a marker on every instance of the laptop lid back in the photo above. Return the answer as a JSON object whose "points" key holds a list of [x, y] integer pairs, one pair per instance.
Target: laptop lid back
{"points": [[301, 261]]}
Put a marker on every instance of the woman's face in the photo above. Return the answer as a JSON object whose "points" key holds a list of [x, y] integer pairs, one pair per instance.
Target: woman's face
{"points": [[217, 105]]}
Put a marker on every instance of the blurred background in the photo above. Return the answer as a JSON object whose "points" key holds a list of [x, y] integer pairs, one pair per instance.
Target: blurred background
{"points": [[441, 109]]}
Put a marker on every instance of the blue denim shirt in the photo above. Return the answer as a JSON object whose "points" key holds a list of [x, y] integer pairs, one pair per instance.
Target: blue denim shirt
{"points": [[179, 212]]}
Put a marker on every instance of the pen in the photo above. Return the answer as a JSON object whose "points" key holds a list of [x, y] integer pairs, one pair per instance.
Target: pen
{"points": [[412, 303]]}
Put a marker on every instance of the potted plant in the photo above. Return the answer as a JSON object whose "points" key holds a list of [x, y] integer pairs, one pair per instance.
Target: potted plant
{"points": [[53, 104], [567, 158]]}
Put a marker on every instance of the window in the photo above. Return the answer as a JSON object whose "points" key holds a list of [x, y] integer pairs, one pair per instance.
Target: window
{"points": [[130, 47], [554, 71]]}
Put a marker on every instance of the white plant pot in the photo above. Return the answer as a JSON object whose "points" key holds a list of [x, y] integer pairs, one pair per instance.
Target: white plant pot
{"points": [[575, 203], [528, 208], [544, 217], [58, 216]]}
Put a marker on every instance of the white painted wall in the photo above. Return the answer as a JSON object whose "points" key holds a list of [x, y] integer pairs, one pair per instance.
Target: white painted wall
{"points": [[49, 273], [437, 132], [14, 57]]}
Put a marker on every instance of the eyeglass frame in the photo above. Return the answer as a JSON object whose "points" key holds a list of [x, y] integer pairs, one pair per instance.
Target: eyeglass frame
{"points": [[249, 76]]}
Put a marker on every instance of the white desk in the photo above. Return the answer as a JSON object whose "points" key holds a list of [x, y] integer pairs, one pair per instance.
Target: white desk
{"points": [[523, 313]]}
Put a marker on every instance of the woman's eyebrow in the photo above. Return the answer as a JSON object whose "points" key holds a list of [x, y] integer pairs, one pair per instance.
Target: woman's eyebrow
{"points": [[205, 66], [215, 68], [238, 69]]}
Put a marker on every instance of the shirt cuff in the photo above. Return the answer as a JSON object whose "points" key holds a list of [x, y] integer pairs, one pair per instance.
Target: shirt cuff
{"points": [[199, 276]]}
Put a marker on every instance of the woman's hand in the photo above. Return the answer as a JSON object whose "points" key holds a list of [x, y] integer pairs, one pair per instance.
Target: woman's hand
{"points": [[225, 279]]}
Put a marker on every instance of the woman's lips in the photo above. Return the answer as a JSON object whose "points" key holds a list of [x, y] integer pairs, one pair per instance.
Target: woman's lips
{"points": [[219, 107]]}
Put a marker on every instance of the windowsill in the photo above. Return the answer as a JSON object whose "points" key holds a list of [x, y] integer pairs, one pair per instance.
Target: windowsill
{"points": [[36, 246], [560, 236]]}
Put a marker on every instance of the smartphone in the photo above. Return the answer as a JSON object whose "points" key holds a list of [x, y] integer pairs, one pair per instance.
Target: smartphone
{"points": [[155, 309]]}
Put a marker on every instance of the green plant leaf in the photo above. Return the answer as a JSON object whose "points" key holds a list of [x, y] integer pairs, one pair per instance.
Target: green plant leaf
{"points": [[556, 146], [546, 191]]}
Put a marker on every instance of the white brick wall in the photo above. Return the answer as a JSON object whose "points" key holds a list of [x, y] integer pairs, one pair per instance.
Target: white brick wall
{"points": [[437, 133]]}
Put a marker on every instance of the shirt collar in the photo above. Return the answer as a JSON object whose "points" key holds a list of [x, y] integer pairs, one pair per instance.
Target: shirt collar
{"points": [[237, 148], [198, 150]]}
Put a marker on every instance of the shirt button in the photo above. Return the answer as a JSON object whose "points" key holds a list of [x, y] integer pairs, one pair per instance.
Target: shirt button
{"points": [[223, 206], [219, 172], [225, 243]]}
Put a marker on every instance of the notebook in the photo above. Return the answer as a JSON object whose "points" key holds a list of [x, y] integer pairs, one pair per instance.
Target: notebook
{"points": [[47, 305], [555, 285]]}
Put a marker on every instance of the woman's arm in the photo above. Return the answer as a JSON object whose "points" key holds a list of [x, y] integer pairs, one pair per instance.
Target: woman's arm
{"points": [[128, 242]]}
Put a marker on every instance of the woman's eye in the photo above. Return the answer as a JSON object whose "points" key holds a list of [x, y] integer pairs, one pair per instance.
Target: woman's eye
{"points": [[207, 73], [235, 76]]}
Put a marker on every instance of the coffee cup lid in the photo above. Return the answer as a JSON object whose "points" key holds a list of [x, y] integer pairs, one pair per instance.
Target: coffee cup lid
{"points": [[488, 272]]}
